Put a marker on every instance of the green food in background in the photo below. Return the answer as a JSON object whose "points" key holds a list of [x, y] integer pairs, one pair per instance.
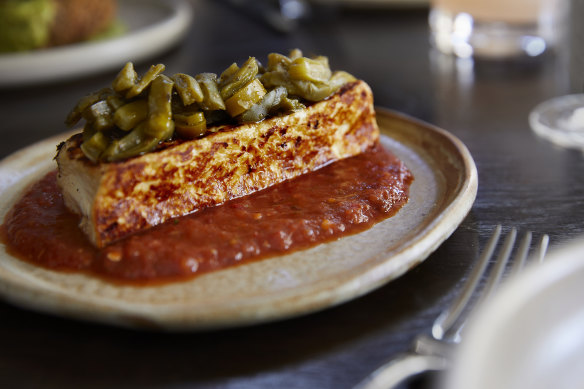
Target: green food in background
{"points": [[25, 24]]}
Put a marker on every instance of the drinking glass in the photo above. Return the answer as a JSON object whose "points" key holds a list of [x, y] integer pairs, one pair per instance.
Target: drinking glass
{"points": [[496, 29]]}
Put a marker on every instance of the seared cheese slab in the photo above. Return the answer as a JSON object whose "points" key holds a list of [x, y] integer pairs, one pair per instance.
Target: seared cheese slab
{"points": [[117, 199]]}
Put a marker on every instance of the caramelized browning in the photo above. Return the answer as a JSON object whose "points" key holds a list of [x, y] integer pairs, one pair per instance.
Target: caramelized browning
{"points": [[121, 198]]}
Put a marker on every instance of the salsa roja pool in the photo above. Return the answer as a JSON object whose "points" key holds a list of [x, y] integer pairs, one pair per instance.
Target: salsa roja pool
{"points": [[342, 198]]}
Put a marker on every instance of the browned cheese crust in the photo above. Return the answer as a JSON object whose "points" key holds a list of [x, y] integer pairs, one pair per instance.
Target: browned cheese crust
{"points": [[122, 198]]}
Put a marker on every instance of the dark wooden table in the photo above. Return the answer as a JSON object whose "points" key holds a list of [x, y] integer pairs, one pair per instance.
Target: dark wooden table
{"points": [[524, 182]]}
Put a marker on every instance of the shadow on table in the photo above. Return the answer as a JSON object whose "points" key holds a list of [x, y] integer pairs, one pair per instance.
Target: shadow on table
{"points": [[49, 352]]}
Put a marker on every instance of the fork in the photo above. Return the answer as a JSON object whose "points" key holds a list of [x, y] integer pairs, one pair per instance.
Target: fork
{"points": [[434, 352]]}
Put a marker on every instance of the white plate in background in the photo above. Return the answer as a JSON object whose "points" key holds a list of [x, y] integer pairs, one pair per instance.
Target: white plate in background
{"points": [[376, 3], [531, 334], [152, 26]]}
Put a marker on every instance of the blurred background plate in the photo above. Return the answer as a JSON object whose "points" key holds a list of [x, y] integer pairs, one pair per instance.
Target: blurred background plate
{"points": [[152, 26], [376, 3], [530, 335]]}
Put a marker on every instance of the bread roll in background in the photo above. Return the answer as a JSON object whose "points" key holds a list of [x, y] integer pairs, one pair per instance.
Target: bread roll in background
{"points": [[78, 20]]}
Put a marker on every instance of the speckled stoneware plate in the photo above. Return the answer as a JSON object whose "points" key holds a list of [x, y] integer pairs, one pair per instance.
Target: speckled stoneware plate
{"points": [[306, 281]]}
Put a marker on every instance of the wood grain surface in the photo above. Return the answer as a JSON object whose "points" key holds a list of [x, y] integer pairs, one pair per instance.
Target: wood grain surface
{"points": [[524, 182]]}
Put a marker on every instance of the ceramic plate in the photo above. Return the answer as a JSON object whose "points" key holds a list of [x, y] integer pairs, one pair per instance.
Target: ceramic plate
{"points": [[377, 3], [560, 120], [152, 26], [530, 335], [440, 197]]}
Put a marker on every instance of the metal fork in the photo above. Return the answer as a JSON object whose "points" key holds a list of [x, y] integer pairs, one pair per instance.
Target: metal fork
{"points": [[434, 353]]}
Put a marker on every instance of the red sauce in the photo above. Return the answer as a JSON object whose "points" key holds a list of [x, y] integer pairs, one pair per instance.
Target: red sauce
{"points": [[342, 198]]}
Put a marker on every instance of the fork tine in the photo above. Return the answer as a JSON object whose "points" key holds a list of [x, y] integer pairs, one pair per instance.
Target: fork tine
{"points": [[545, 240], [502, 259], [448, 318], [524, 251], [521, 254]]}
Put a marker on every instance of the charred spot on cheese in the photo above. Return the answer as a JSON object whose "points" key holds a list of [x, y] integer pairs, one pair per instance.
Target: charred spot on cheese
{"points": [[179, 177]]}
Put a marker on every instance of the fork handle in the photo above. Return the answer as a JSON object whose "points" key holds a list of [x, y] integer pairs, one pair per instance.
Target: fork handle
{"points": [[400, 369]]}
